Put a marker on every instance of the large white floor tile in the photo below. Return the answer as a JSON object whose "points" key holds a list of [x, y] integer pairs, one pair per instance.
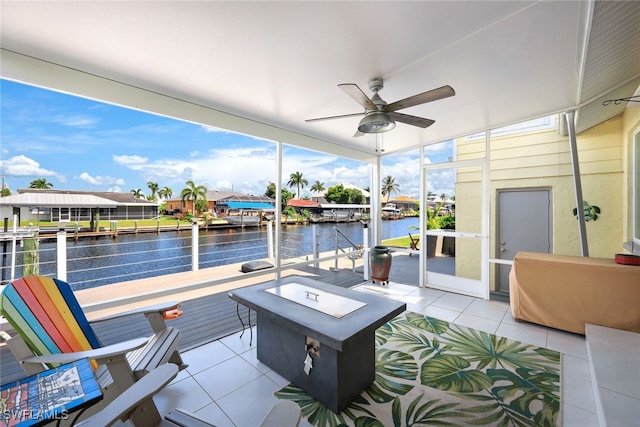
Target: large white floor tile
{"points": [[226, 377], [206, 356], [524, 332], [453, 302], [567, 343], [576, 369], [416, 302], [213, 415], [248, 405], [573, 416], [278, 379], [186, 394], [508, 318], [479, 323], [251, 356], [620, 410], [430, 291], [615, 354], [578, 393], [493, 310], [241, 342], [440, 313]]}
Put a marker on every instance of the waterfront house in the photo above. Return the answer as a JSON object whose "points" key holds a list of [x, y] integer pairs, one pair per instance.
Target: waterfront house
{"points": [[405, 203], [222, 203], [311, 206], [66, 206], [227, 65]]}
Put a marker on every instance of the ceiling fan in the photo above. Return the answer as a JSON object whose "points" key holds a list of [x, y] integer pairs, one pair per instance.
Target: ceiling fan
{"points": [[382, 117]]}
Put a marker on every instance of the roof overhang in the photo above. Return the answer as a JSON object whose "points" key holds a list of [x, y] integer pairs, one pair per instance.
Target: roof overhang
{"points": [[262, 68], [57, 200]]}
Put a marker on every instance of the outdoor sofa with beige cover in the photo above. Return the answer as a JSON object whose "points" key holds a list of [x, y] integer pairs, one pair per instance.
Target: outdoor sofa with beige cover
{"points": [[566, 292]]}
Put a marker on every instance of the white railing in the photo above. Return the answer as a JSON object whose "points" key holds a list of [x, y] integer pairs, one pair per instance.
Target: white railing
{"points": [[94, 261]]}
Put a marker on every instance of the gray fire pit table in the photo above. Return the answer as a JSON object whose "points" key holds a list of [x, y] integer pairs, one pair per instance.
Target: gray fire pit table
{"points": [[298, 316]]}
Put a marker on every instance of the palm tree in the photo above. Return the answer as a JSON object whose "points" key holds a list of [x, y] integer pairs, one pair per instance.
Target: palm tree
{"points": [[296, 179], [194, 193], [389, 186], [137, 193], [153, 186], [317, 187], [40, 183], [165, 193]]}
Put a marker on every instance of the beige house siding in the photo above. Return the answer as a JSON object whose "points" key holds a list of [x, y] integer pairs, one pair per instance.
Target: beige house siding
{"points": [[542, 159]]}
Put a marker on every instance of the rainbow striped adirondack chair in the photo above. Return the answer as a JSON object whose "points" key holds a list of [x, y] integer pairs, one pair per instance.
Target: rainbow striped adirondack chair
{"points": [[53, 329]]}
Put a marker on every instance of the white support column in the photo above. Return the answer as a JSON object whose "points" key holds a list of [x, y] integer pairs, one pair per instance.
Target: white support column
{"points": [[375, 208], [278, 251], [13, 247], [270, 239], [577, 183], [61, 251], [422, 272], [314, 244], [194, 246], [365, 244], [486, 218]]}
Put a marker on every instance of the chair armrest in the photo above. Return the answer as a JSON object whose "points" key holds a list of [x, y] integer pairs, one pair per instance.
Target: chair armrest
{"points": [[157, 308], [143, 389], [99, 353]]}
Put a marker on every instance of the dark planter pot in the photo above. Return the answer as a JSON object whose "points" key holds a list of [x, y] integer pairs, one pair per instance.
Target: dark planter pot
{"points": [[380, 260]]}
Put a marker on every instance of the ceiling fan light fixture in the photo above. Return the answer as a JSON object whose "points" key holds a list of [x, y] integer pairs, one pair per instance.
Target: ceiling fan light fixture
{"points": [[376, 122]]}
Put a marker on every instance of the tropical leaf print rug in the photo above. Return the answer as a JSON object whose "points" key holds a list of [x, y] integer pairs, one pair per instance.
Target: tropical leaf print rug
{"points": [[432, 372]]}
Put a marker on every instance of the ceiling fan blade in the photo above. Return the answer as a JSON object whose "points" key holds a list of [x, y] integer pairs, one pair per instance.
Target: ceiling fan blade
{"points": [[422, 98], [360, 97], [411, 120], [358, 134], [334, 117]]}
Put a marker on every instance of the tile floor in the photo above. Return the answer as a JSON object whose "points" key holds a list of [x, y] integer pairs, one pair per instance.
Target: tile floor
{"points": [[226, 384]]}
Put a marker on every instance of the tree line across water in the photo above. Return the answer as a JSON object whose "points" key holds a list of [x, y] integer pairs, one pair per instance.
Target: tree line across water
{"points": [[198, 193]]}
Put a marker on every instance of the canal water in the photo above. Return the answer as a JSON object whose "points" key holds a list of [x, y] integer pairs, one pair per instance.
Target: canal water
{"points": [[94, 262]]}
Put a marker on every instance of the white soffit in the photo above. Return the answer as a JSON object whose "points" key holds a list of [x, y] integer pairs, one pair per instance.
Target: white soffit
{"points": [[264, 67]]}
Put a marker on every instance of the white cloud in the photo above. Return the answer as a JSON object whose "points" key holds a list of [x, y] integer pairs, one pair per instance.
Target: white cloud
{"points": [[130, 161], [100, 180], [24, 166], [77, 120]]}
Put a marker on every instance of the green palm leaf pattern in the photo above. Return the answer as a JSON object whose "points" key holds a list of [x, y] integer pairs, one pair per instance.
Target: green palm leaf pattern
{"points": [[395, 373], [430, 372], [411, 341], [316, 413], [383, 333], [537, 386], [493, 351], [449, 373], [429, 413], [427, 323]]}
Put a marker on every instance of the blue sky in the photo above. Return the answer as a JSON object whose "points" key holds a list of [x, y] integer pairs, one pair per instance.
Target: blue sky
{"points": [[80, 144]]}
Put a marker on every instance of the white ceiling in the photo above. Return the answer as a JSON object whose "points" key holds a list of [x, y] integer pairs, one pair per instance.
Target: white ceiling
{"points": [[279, 63]]}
